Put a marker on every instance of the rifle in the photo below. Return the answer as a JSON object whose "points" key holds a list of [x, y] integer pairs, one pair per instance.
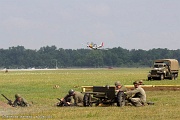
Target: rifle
{"points": [[9, 101], [59, 99], [62, 103]]}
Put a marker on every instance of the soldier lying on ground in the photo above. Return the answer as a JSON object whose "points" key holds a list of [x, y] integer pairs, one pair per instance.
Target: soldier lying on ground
{"points": [[20, 101], [73, 98]]}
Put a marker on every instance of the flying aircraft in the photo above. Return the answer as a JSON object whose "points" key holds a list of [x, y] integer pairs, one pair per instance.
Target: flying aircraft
{"points": [[95, 46]]}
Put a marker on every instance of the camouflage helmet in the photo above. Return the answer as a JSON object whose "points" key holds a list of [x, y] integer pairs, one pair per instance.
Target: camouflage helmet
{"points": [[117, 83], [17, 96], [71, 91]]}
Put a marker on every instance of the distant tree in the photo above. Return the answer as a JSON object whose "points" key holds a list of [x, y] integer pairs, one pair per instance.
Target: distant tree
{"points": [[51, 57]]}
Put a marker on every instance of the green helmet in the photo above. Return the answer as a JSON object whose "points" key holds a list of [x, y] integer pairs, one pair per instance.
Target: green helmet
{"points": [[71, 91], [17, 96], [117, 83], [136, 82]]}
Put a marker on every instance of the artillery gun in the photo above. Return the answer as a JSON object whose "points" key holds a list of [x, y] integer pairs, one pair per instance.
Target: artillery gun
{"points": [[97, 95]]}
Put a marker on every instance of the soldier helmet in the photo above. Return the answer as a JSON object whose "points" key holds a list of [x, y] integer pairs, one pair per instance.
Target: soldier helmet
{"points": [[71, 91], [117, 83], [135, 82], [141, 81], [17, 96]]}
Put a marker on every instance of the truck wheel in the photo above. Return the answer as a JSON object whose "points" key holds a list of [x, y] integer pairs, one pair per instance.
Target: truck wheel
{"points": [[175, 77], [162, 77], [120, 99], [86, 100], [172, 77]]}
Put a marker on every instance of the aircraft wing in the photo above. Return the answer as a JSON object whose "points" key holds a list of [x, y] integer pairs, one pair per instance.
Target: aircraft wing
{"points": [[101, 45]]}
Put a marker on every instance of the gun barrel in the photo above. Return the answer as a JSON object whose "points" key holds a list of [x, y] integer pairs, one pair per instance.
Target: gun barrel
{"points": [[59, 99], [9, 101], [5, 97]]}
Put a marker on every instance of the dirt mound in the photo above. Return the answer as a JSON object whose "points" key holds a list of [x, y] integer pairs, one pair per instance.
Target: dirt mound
{"points": [[4, 105], [5, 109], [146, 88], [158, 87]]}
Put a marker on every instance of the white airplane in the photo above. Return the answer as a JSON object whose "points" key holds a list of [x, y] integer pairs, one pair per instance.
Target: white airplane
{"points": [[95, 46]]}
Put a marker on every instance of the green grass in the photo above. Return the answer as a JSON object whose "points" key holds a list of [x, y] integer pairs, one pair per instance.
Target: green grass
{"points": [[37, 86]]}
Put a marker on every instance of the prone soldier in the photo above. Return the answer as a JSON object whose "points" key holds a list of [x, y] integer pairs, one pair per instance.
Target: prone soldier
{"points": [[19, 101], [73, 98]]}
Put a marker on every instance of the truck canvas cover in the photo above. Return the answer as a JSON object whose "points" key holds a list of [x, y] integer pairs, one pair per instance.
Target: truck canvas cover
{"points": [[173, 63]]}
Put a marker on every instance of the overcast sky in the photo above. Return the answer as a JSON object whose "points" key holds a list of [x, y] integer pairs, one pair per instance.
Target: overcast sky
{"points": [[70, 24]]}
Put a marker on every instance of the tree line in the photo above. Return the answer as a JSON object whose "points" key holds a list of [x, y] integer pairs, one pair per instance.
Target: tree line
{"points": [[52, 57]]}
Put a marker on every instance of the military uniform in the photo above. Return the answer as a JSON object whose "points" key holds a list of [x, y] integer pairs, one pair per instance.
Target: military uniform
{"points": [[123, 88], [119, 87], [20, 101], [78, 99], [73, 98], [65, 101], [139, 97]]}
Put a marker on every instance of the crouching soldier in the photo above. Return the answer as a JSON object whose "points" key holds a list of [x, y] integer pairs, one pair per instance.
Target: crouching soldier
{"points": [[20, 101], [73, 98], [119, 87], [138, 95]]}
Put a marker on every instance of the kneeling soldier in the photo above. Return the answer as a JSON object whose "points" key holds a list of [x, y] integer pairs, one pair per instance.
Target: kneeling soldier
{"points": [[139, 95]]}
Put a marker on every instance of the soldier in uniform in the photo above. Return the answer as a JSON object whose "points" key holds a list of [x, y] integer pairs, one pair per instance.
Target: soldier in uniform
{"points": [[141, 82], [139, 95], [66, 101], [73, 98], [119, 87], [19, 101]]}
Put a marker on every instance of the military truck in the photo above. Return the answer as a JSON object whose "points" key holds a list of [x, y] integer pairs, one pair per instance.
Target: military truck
{"points": [[164, 69]]}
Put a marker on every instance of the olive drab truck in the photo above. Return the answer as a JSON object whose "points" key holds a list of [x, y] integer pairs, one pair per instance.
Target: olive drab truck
{"points": [[164, 69]]}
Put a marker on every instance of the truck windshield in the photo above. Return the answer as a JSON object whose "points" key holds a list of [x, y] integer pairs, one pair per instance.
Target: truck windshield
{"points": [[158, 66], [155, 66]]}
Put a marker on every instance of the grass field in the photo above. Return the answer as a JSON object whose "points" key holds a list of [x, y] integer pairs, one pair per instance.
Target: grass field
{"points": [[37, 86]]}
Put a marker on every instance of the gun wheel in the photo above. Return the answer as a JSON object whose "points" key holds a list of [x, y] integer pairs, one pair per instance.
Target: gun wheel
{"points": [[120, 99], [162, 77], [86, 100]]}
